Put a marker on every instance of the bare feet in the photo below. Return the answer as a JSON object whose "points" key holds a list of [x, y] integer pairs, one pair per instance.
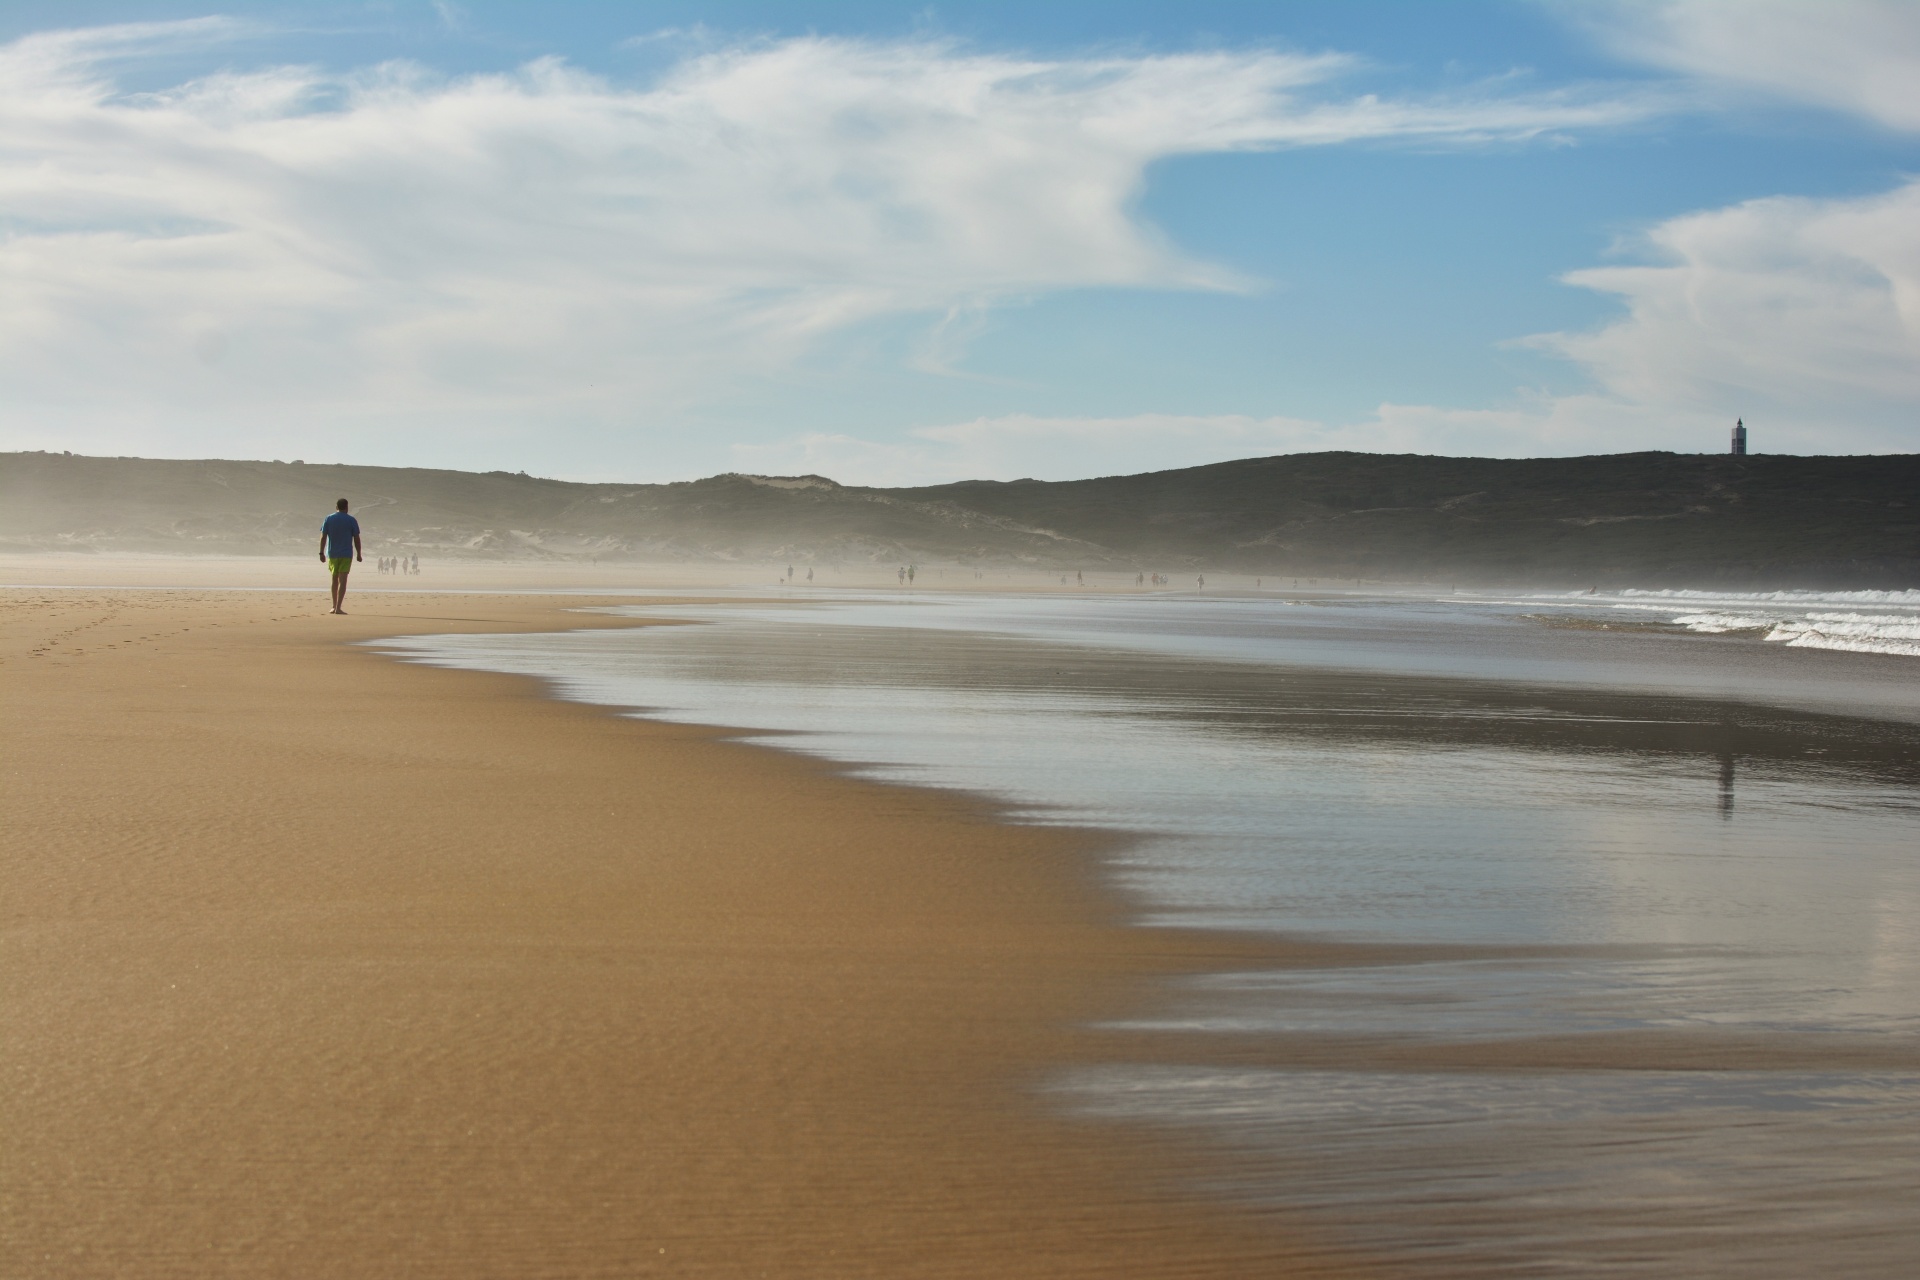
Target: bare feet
{"points": [[336, 611]]}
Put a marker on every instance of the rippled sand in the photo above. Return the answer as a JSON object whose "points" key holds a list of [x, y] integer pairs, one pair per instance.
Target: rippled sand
{"points": [[316, 964]]}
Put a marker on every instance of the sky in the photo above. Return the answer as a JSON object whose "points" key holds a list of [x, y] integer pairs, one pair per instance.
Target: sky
{"points": [[911, 243]]}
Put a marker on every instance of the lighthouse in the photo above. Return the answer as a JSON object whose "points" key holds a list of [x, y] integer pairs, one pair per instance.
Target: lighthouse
{"points": [[1739, 438]]}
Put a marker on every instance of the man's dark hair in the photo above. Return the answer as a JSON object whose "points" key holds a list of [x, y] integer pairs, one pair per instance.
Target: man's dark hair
{"points": [[340, 505]]}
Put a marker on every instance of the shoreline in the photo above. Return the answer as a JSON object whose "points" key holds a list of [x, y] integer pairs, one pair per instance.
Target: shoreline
{"points": [[569, 993]]}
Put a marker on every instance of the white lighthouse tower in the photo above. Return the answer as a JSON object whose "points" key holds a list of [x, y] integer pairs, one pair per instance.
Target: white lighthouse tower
{"points": [[1739, 438]]}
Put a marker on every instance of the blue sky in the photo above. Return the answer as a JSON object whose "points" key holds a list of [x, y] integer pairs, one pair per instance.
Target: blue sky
{"points": [[909, 243]]}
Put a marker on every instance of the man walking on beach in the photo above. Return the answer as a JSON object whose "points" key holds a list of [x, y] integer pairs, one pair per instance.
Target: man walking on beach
{"points": [[340, 547]]}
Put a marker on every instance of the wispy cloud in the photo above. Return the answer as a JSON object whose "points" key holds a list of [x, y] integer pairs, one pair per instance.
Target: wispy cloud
{"points": [[1802, 315], [397, 247], [1861, 57]]}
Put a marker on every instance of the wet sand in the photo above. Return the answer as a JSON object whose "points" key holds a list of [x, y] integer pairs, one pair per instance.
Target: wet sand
{"points": [[317, 964]]}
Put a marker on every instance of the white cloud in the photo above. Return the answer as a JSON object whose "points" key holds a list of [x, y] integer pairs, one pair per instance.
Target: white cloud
{"points": [[1804, 313], [1857, 56], [398, 250], [391, 250], [1801, 314]]}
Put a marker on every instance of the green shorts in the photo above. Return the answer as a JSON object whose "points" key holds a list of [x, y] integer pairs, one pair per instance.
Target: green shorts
{"points": [[344, 564]]}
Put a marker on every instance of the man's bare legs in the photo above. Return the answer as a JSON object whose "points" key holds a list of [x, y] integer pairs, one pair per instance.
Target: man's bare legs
{"points": [[339, 591]]}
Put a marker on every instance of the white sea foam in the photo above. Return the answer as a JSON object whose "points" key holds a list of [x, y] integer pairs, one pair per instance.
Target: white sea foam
{"points": [[1858, 632], [1904, 599], [1856, 621], [1717, 623]]}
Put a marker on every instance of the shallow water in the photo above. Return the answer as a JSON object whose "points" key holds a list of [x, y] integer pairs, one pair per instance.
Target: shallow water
{"points": [[1713, 838], [1636, 1173]]}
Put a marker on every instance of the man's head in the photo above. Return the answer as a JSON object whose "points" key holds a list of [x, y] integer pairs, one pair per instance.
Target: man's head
{"points": [[340, 505]]}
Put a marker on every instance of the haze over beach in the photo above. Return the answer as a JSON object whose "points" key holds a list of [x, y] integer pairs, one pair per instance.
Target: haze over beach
{"points": [[1073, 640]]}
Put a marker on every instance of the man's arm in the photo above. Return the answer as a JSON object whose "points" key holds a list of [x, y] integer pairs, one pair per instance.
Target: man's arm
{"points": [[356, 548], [323, 544]]}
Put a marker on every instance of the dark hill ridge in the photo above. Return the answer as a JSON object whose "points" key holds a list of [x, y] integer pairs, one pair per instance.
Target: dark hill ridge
{"points": [[62, 501], [1679, 519], [1646, 518]]}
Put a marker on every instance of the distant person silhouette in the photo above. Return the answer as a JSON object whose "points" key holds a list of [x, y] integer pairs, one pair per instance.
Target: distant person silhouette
{"points": [[339, 548]]}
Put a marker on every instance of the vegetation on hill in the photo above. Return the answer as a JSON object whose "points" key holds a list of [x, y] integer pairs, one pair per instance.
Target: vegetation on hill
{"points": [[1643, 518]]}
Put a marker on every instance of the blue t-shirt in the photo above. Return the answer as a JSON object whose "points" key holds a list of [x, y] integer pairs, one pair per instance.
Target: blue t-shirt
{"points": [[341, 529]]}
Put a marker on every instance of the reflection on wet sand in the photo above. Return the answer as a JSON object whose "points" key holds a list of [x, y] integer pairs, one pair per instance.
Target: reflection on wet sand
{"points": [[1628, 1172], [1540, 998]]}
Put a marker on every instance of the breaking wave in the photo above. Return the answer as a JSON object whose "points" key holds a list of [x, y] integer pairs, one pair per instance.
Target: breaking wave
{"points": [[1856, 621]]}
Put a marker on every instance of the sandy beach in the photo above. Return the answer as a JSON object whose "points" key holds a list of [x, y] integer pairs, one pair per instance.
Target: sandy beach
{"points": [[320, 964]]}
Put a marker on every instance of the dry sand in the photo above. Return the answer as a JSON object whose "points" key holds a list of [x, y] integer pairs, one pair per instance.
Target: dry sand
{"points": [[317, 964]]}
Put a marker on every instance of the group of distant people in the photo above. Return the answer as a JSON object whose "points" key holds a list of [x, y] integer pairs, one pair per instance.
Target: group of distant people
{"points": [[340, 547]]}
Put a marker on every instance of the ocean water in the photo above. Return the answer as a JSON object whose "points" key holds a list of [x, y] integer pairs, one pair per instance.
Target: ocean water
{"points": [[1646, 889], [1850, 621]]}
